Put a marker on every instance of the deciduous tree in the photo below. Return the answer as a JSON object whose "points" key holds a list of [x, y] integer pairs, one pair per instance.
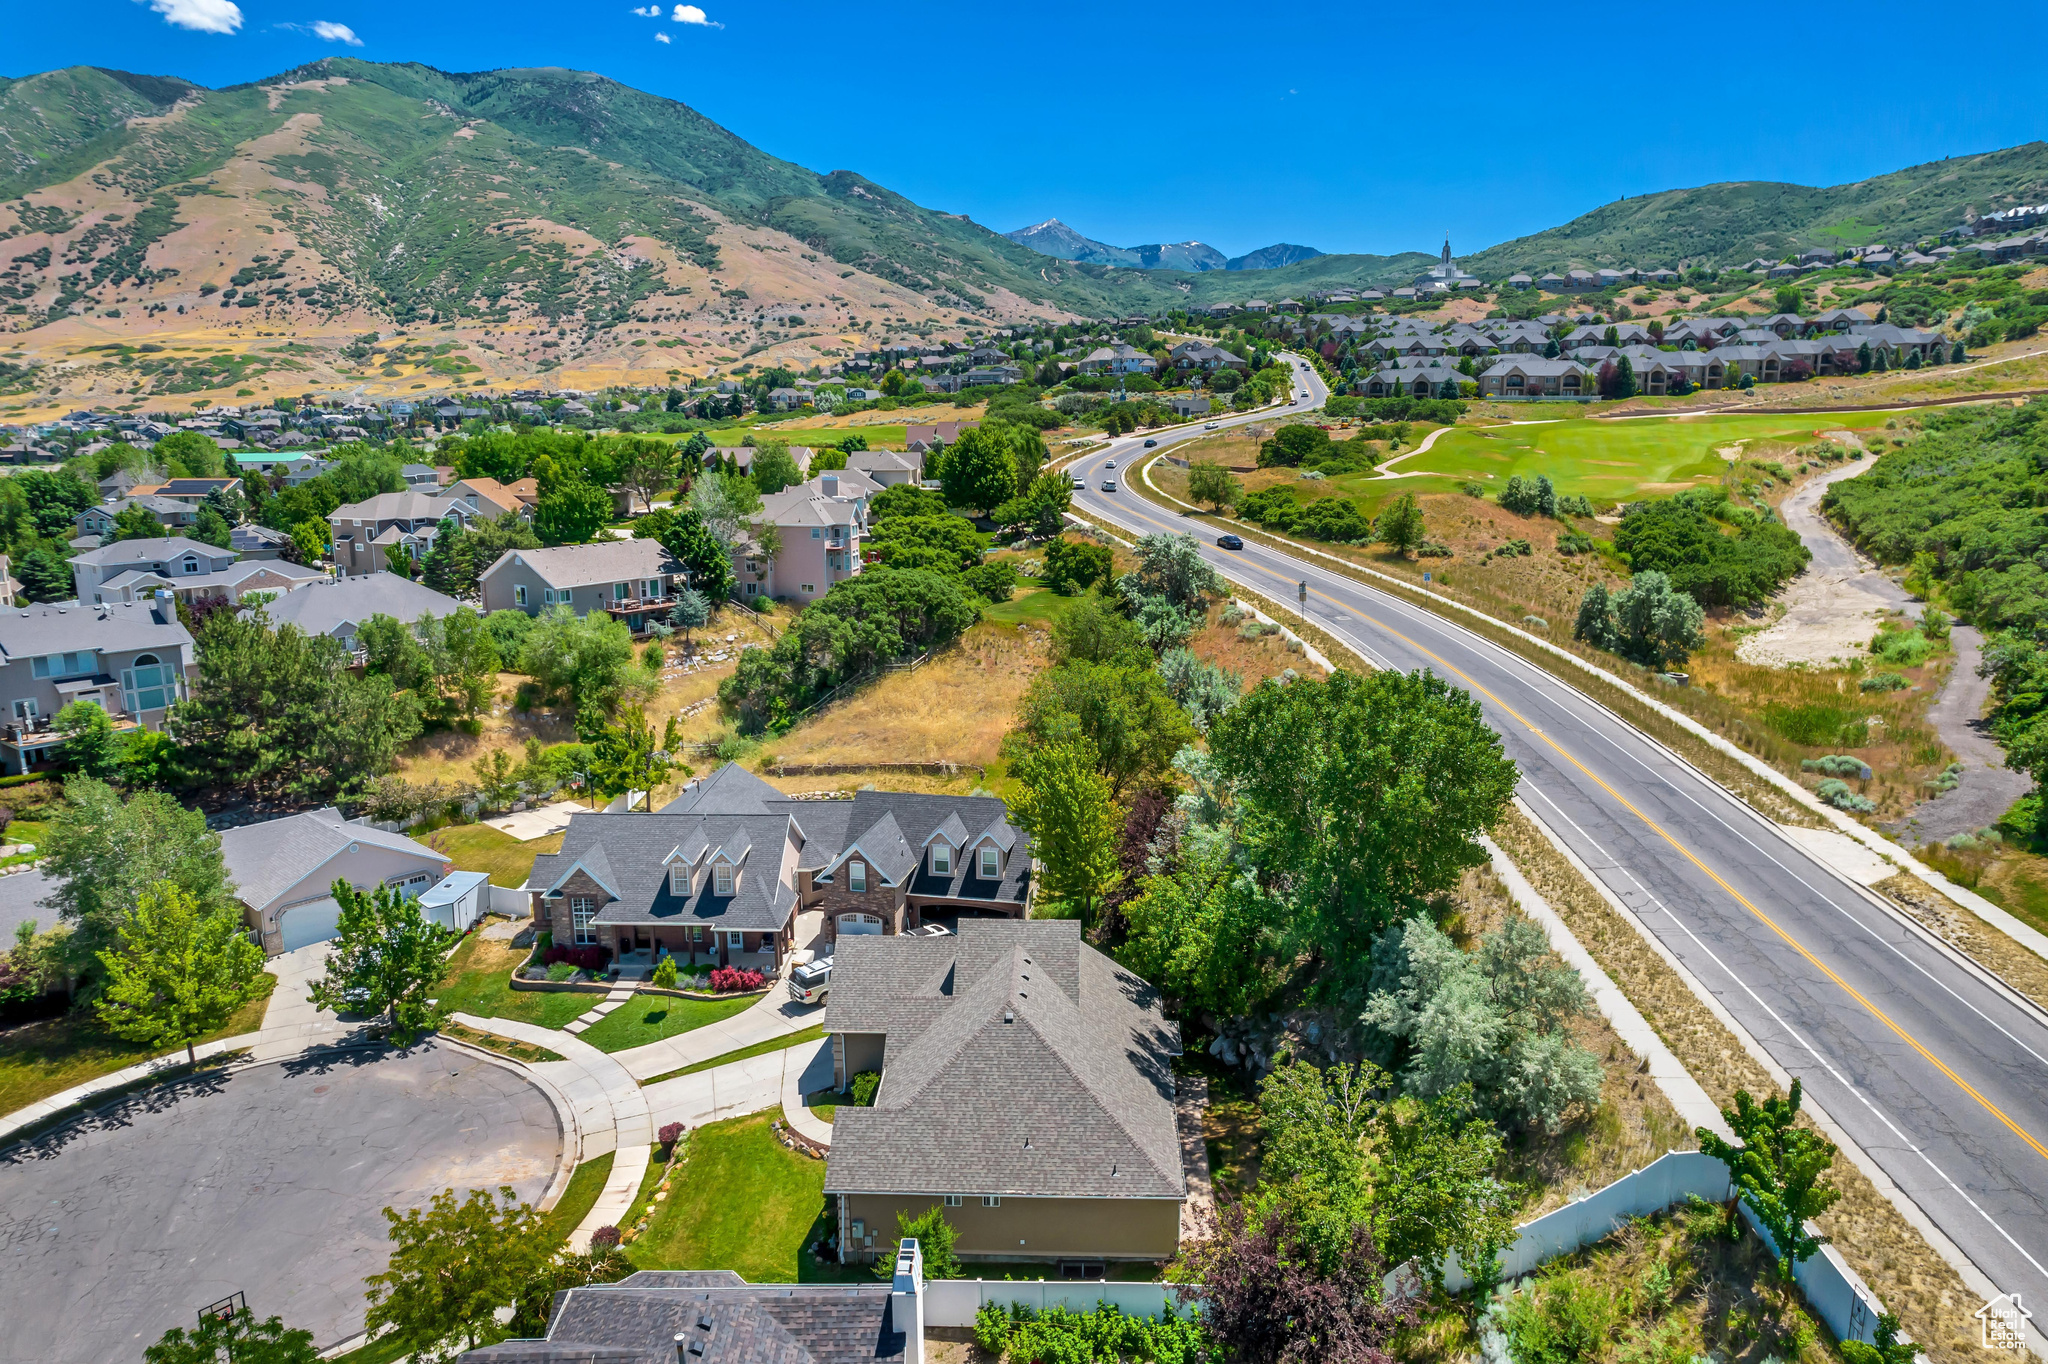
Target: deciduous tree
{"points": [[236, 1339], [177, 972], [102, 853], [1214, 484], [1780, 1168], [385, 962], [1070, 812], [453, 1265]]}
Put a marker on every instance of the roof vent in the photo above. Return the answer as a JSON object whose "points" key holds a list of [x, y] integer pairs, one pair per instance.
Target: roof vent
{"points": [[1009, 1017]]}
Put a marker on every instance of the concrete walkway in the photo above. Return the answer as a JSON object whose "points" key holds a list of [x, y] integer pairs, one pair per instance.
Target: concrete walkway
{"points": [[773, 1015], [618, 998], [807, 1078], [609, 1109]]}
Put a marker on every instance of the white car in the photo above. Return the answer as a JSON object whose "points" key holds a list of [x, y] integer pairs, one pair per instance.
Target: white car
{"points": [[1111, 465], [1080, 482], [810, 981], [1211, 426], [1109, 485]]}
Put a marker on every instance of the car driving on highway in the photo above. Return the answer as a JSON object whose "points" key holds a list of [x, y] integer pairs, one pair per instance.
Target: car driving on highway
{"points": [[1109, 485], [1149, 443], [1229, 542]]}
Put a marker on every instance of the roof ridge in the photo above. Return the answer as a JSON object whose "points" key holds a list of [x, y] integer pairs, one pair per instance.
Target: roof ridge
{"points": [[1110, 1110]]}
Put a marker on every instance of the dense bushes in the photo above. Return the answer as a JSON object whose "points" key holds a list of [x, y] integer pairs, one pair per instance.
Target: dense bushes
{"points": [[1679, 538], [729, 980], [582, 958], [1333, 519], [1961, 504], [1443, 411], [861, 1089], [883, 615], [1106, 1334]]}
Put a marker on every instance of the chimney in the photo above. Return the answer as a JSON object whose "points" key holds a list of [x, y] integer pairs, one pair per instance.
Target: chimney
{"points": [[831, 482], [906, 1299]]}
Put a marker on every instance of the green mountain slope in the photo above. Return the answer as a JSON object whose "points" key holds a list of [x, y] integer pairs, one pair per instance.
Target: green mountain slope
{"points": [[1728, 224], [47, 119]]}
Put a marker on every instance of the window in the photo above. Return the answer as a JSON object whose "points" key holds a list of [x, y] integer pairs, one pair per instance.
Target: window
{"points": [[547, 596], [721, 878], [581, 912], [991, 864], [954, 1200], [815, 532], [679, 879], [753, 588], [621, 591], [989, 1200], [857, 877], [191, 565], [148, 685], [652, 588], [736, 941], [64, 665], [809, 588], [25, 710], [942, 860], [519, 594], [696, 933]]}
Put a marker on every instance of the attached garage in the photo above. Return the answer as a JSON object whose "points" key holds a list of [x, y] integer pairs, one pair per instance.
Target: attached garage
{"points": [[311, 922], [853, 925]]}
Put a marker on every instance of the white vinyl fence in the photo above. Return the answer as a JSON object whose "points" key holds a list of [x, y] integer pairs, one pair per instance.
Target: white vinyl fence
{"points": [[1836, 1292], [953, 1302], [510, 901]]}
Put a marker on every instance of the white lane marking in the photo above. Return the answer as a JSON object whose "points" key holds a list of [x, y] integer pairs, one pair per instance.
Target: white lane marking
{"points": [[1795, 1035]]}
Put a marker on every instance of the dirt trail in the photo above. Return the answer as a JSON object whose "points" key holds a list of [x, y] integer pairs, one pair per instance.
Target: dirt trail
{"points": [[1987, 787], [1831, 608]]}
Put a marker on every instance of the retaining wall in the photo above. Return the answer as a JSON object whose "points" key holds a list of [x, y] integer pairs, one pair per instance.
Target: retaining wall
{"points": [[953, 1302]]}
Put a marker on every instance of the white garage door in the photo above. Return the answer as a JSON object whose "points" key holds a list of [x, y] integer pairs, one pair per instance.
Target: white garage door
{"points": [[852, 925], [314, 922]]}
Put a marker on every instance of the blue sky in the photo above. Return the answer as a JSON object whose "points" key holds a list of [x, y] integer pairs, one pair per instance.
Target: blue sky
{"points": [[1341, 126]]}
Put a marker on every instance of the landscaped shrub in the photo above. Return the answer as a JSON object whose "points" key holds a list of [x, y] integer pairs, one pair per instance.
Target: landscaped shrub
{"points": [[1838, 794], [863, 1088], [1060, 1336], [591, 958], [1836, 765], [665, 974], [670, 1134], [728, 980], [1884, 682], [561, 970], [604, 1240]]}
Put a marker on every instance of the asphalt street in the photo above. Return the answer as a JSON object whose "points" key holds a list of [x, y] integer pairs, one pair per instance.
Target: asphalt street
{"points": [[268, 1181], [1932, 1067]]}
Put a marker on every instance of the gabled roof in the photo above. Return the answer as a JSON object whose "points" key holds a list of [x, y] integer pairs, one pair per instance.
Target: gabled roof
{"points": [[266, 860], [606, 561], [113, 628], [1027, 1000], [150, 550], [323, 606], [882, 846], [592, 862], [731, 790], [952, 831]]}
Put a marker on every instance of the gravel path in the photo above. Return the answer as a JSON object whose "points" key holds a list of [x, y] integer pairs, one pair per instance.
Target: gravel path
{"points": [[1988, 788]]}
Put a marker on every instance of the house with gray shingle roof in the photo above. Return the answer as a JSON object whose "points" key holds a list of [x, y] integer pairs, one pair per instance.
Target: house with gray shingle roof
{"points": [[634, 580], [131, 659], [339, 606], [1085, 1165], [283, 871]]}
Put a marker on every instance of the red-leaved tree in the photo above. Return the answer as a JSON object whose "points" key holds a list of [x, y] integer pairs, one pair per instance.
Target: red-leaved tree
{"points": [[1266, 1300]]}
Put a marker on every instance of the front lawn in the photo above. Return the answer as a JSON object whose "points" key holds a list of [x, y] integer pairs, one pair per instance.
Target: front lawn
{"points": [[479, 847], [41, 1059], [586, 1182], [782, 1043], [742, 1201], [649, 1018], [479, 981]]}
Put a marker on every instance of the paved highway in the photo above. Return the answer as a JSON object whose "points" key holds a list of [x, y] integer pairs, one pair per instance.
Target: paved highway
{"points": [[1936, 1070]]}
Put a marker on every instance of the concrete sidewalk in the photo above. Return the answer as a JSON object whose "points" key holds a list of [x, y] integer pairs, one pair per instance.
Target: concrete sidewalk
{"points": [[774, 1015], [807, 1078], [608, 1106], [752, 1085]]}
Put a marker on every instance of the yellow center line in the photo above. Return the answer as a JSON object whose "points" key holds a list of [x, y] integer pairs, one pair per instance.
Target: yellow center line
{"points": [[1993, 1109]]}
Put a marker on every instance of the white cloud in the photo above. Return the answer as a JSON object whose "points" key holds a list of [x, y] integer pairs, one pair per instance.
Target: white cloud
{"points": [[690, 14], [649, 12], [335, 33], [662, 38], [201, 16]]}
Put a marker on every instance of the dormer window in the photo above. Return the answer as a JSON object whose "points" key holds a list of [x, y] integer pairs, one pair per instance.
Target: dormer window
{"points": [[991, 864], [942, 860], [857, 877], [679, 879], [721, 878]]}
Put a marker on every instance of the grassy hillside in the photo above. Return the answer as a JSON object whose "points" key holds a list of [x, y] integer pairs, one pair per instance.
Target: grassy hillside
{"points": [[45, 118], [1727, 224]]}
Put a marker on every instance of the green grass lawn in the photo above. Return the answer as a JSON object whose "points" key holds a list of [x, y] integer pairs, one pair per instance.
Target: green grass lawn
{"points": [[742, 1202], [479, 982], [479, 847], [1613, 460], [649, 1018], [1040, 606], [586, 1182], [795, 1039], [28, 831], [41, 1059]]}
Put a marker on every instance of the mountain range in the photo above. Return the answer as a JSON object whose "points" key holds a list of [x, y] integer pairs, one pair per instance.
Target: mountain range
{"points": [[1054, 238], [546, 221]]}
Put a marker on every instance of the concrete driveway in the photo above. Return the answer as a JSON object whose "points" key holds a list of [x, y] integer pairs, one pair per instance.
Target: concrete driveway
{"points": [[269, 1180]]}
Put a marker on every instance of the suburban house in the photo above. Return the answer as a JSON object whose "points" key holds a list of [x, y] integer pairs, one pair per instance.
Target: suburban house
{"points": [[1532, 376], [283, 871], [339, 606], [232, 583], [887, 468], [486, 497], [820, 525], [258, 542], [720, 873], [634, 580], [921, 438], [194, 491], [174, 556], [168, 512], [1085, 1166], [1181, 405], [1118, 359], [131, 658], [713, 1316], [363, 532]]}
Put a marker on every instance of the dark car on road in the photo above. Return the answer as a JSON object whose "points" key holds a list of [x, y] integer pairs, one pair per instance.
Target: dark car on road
{"points": [[1229, 542], [1150, 443]]}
